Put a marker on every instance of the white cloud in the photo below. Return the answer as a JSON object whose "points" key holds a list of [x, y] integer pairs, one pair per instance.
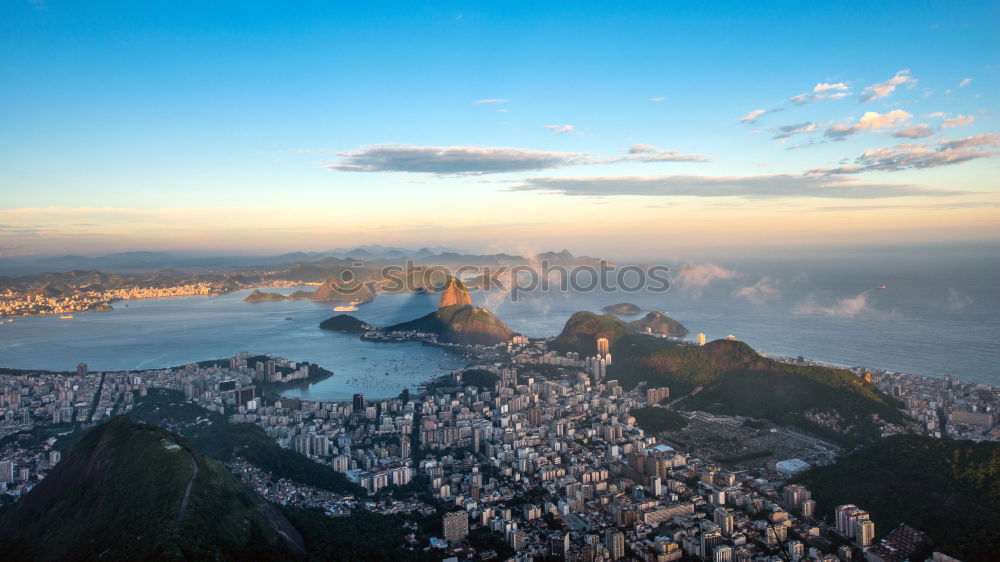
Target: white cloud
{"points": [[559, 129], [824, 87], [957, 121], [917, 132], [883, 89], [657, 100], [988, 139], [821, 91], [699, 276], [650, 153], [842, 308], [870, 121], [752, 116], [798, 129], [919, 156], [490, 101], [760, 292], [964, 82]]}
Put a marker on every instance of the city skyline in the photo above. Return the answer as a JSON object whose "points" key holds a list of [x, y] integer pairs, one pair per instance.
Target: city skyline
{"points": [[269, 129]]}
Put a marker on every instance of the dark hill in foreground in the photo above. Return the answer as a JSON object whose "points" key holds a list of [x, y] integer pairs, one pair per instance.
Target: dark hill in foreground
{"points": [[459, 324], [736, 380], [947, 488], [120, 494], [221, 440]]}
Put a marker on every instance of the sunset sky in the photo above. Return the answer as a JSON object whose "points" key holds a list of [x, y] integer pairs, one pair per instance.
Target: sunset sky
{"points": [[632, 127]]}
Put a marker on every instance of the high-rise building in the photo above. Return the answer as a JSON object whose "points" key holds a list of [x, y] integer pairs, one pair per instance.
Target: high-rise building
{"points": [[710, 540], [456, 525], [865, 532], [54, 457], [614, 542], [723, 553], [701, 339], [843, 523], [657, 395], [6, 472], [723, 517], [603, 347], [796, 550], [359, 403], [81, 369]]}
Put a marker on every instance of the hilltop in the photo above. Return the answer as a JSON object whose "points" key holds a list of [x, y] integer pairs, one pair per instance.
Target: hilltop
{"points": [[333, 291], [259, 296], [459, 324], [133, 491], [583, 328], [736, 380], [454, 293], [659, 323], [345, 323], [622, 308], [222, 441], [947, 488]]}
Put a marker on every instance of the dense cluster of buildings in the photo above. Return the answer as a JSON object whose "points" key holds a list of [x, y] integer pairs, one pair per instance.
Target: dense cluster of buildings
{"points": [[27, 303], [551, 460], [946, 407]]}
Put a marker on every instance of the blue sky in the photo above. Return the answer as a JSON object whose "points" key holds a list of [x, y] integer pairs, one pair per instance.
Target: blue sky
{"points": [[250, 126]]}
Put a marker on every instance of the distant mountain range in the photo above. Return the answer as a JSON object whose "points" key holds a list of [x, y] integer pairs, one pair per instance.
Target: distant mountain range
{"points": [[303, 266]]}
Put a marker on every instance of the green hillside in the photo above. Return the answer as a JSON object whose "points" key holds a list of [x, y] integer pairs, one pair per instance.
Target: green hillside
{"points": [[583, 328], [120, 494], [222, 441], [345, 323], [947, 488], [735, 380], [659, 323], [459, 324]]}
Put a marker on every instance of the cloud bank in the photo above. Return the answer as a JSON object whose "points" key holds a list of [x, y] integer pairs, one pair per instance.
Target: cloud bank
{"points": [[452, 160], [750, 187]]}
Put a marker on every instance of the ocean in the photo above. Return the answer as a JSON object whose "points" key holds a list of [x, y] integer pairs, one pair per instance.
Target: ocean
{"points": [[886, 311]]}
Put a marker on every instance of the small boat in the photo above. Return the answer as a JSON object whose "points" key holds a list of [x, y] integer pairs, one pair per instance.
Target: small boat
{"points": [[289, 318], [66, 316], [880, 287], [345, 308]]}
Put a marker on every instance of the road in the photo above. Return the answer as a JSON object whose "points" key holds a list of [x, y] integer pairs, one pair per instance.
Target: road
{"points": [[187, 491]]}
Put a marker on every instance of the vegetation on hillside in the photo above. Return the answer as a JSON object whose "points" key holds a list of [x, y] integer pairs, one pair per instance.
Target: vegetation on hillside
{"points": [[659, 323], [459, 324], [947, 488], [223, 441], [655, 420], [735, 380], [583, 328], [118, 495], [345, 323]]}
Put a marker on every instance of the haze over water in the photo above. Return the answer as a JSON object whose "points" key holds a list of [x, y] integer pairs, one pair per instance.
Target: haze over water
{"points": [[935, 321]]}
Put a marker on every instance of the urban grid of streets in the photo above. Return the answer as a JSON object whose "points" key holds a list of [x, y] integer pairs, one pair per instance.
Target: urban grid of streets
{"points": [[542, 444]]}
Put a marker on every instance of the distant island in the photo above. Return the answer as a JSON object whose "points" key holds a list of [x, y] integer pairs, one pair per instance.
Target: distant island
{"points": [[330, 291], [626, 308], [345, 323]]}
